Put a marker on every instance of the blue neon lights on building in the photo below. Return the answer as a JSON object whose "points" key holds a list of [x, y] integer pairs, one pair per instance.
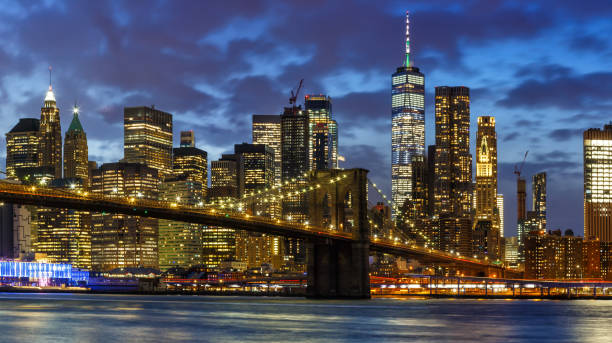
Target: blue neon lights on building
{"points": [[35, 270]]}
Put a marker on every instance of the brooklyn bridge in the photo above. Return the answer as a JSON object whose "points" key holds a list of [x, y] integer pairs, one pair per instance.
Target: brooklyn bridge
{"points": [[339, 239]]}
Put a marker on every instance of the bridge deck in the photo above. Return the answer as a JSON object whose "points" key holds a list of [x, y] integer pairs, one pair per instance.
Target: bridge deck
{"points": [[59, 198]]}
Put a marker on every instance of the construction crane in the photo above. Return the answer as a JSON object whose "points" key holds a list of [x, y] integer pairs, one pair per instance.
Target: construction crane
{"points": [[519, 168], [293, 98]]}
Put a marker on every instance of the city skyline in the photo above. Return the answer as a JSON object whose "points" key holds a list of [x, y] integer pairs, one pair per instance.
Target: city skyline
{"points": [[358, 84]]}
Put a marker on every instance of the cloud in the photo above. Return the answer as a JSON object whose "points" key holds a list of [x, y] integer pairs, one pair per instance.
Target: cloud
{"points": [[561, 135], [565, 92]]}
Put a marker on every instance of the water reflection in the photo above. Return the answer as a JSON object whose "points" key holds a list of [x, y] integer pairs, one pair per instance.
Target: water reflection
{"points": [[105, 318]]}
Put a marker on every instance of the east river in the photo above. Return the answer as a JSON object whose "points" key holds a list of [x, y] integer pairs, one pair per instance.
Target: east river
{"points": [[130, 318]]}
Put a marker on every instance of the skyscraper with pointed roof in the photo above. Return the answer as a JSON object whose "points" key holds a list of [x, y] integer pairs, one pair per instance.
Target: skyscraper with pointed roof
{"points": [[407, 124], [75, 151], [50, 134]]}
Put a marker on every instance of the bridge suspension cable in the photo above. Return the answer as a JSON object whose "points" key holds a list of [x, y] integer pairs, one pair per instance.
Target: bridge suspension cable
{"points": [[394, 206]]}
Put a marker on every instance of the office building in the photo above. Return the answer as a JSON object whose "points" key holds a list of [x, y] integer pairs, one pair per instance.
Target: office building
{"points": [[187, 139], [407, 124], [256, 173], [267, 130], [224, 178], [76, 159], [64, 235], [453, 167], [500, 210], [118, 240], [193, 163], [538, 196], [486, 185], [323, 132], [511, 251], [219, 243], [295, 141], [180, 243], [147, 138], [22, 146], [256, 165], [50, 150], [598, 183]]}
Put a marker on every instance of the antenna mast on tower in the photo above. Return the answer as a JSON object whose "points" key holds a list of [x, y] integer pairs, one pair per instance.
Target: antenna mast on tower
{"points": [[407, 39]]}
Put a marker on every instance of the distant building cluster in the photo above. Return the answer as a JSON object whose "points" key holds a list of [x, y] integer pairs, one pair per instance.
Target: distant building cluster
{"points": [[284, 148]]}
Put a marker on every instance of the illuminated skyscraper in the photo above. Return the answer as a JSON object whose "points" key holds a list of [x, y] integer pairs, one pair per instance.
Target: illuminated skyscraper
{"points": [[486, 171], [147, 138], [500, 210], [453, 168], [256, 166], [407, 124], [295, 141], [22, 146], [538, 196], [256, 170], [193, 163], [119, 240], [76, 161], [486, 183], [180, 243], [50, 135], [64, 235], [224, 178], [323, 132], [219, 243], [267, 130], [598, 184]]}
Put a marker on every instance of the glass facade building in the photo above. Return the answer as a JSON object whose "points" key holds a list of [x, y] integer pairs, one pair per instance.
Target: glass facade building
{"points": [[118, 240], [193, 163], [180, 243], [323, 132], [22, 146], [267, 130], [538, 197], [407, 129], [147, 138], [598, 183]]}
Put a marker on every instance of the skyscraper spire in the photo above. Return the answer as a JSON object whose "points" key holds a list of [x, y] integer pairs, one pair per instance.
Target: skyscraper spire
{"points": [[407, 39], [50, 97]]}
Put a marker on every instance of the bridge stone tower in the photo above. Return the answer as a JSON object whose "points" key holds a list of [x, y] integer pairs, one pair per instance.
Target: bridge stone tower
{"points": [[338, 268]]}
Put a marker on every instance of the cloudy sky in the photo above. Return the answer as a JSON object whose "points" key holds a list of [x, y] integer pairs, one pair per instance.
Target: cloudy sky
{"points": [[543, 68]]}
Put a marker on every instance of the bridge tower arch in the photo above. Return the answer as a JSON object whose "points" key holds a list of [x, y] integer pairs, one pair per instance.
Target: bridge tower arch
{"points": [[339, 268]]}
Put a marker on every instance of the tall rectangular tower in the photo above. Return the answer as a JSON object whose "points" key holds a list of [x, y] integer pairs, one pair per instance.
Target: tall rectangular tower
{"points": [[407, 124], [267, 130], [453, 189], [538, 196], [147, 138], [295, 140], [323, 132], [486, 171], [453, 160], [598, 183]]}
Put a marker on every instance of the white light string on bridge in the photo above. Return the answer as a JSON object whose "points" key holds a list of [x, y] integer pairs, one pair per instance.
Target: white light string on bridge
{"points": [[394, 206], [276, 193]]}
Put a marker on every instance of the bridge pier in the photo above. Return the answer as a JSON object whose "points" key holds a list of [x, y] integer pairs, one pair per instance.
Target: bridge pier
{"points": [[338, 269]]}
